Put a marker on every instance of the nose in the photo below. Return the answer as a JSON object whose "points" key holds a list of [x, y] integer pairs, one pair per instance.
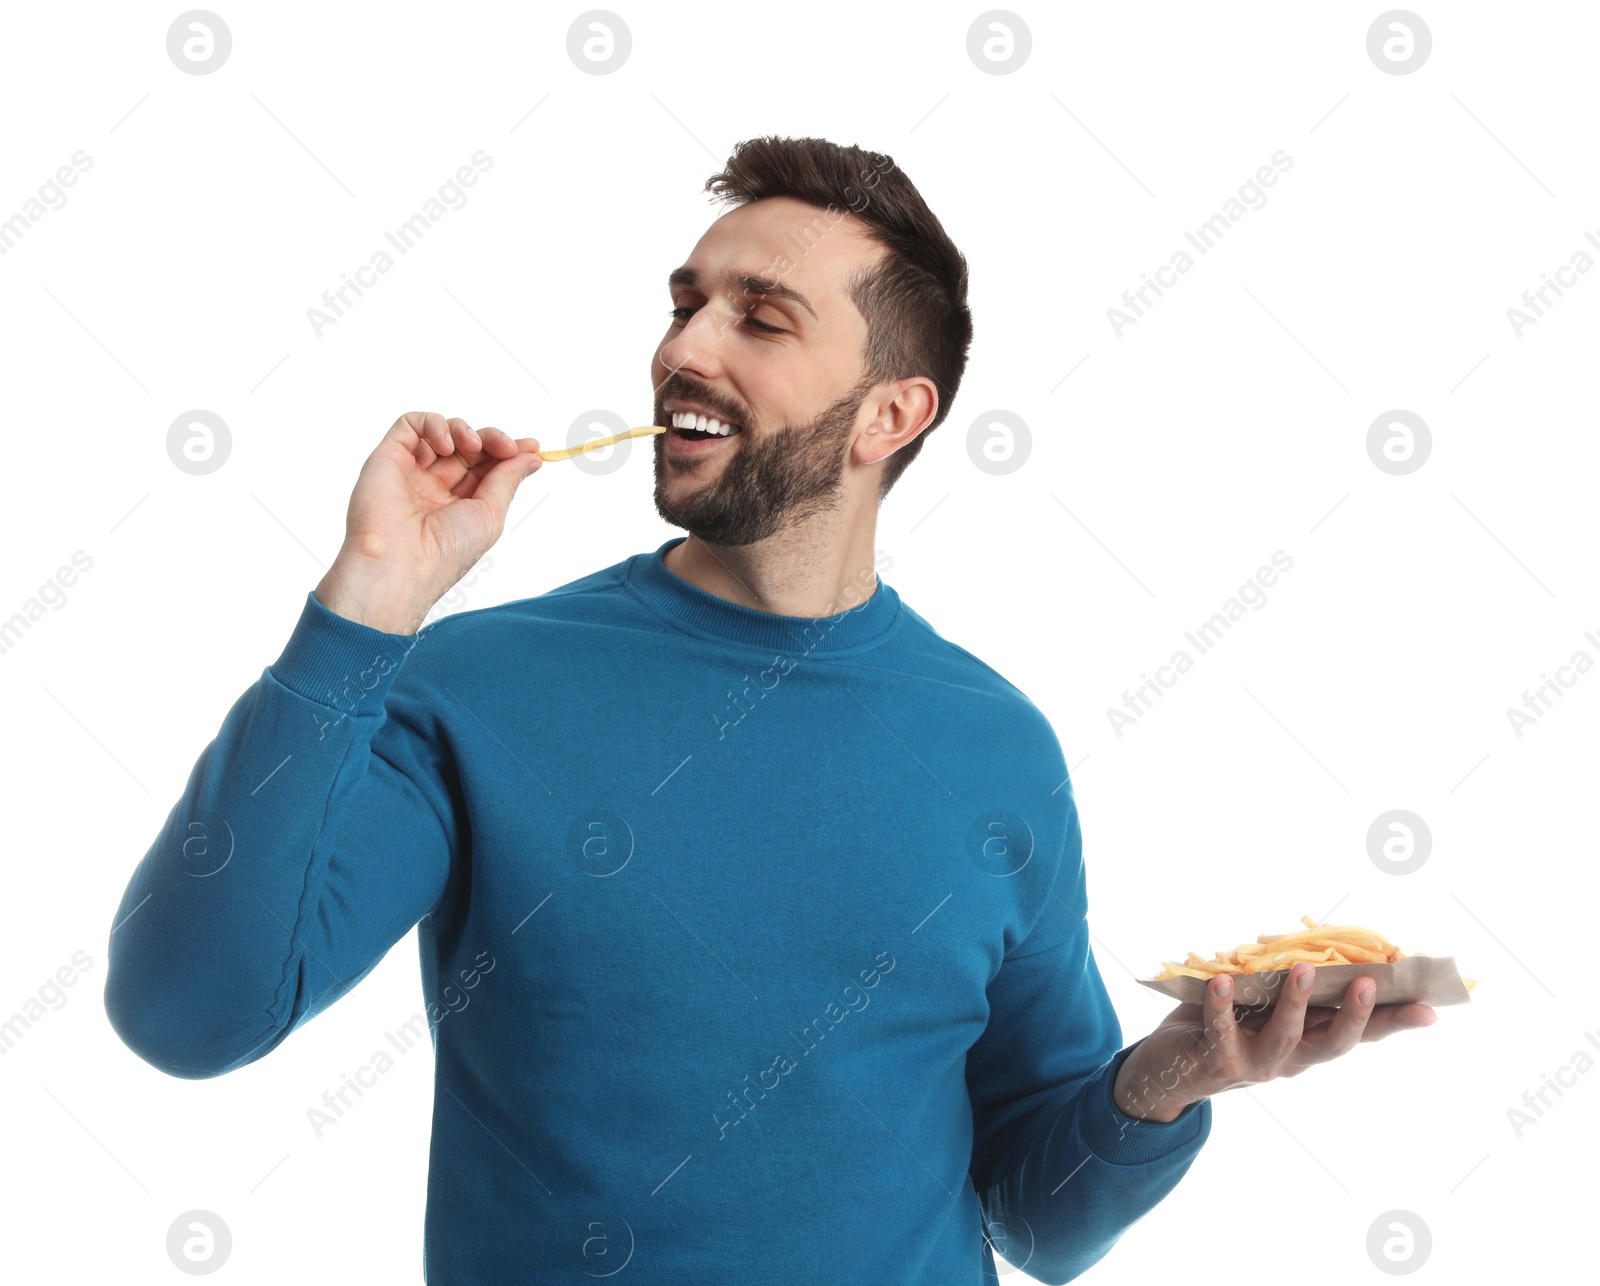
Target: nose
{"points": [[694, 347]]}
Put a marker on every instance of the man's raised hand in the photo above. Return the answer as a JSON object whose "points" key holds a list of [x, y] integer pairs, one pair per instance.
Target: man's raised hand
{"points": [[429, 501]]}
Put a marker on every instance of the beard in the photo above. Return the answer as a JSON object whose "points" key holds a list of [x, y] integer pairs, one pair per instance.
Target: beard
{"points": [[779, 477]]}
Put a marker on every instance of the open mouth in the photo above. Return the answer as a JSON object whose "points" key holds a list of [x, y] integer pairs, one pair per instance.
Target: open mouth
{"points": [[699, 432]]}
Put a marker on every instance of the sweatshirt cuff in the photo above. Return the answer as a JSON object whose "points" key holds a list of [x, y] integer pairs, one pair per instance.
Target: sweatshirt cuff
{"points": [[340, 663], [1116, 1137]]}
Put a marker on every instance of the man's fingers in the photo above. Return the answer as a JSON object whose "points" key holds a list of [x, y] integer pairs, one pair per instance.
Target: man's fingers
{"points": [[497, 444], [1388, 1019], [1318, 1015], [1221, 1029], [499, 481], [486, 472], [1347, 1029], [1281, 1035], [505, 447], [443, 436], [431, 438], [416, 429]]}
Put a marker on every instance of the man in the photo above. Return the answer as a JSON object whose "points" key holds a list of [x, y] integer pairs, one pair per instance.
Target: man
{"points": [[752, 911]]}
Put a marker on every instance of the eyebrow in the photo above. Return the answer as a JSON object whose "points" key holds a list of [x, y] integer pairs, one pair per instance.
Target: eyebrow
{"points": [[750, 283]]}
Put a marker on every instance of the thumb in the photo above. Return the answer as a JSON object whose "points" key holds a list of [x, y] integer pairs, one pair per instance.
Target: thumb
{"points": [[499, 485]]}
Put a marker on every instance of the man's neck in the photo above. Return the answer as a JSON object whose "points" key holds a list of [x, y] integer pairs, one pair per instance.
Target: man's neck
{"points": [[790, 574]]}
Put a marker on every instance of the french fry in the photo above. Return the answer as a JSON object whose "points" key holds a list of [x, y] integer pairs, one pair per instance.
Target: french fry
{"points": [[566, 453], [1318, 943]]}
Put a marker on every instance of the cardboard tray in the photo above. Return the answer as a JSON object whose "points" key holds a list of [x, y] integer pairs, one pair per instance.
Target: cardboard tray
{"points": [[1432, 980]]}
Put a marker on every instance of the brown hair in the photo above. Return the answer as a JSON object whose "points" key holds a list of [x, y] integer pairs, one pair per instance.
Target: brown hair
{"points": [[914, 300]]}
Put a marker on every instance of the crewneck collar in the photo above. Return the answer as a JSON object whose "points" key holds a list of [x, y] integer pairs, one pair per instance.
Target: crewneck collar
{"points": [[708, 616]]}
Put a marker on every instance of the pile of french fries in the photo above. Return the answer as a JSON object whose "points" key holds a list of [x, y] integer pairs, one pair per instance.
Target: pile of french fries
{"points": [[1318, 943]]}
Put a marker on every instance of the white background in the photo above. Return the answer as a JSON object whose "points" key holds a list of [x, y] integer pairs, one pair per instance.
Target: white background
{"points": [[1227, 423]]}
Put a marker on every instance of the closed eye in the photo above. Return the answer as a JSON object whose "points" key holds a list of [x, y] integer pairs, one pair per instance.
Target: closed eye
{"points": [[748, 321]]}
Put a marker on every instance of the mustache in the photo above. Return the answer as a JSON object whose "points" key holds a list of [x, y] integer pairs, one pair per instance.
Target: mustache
{"points": [[678, 388]]}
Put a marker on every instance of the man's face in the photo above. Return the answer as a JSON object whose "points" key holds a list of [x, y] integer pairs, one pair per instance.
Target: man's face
{"points": [[783, 368]]}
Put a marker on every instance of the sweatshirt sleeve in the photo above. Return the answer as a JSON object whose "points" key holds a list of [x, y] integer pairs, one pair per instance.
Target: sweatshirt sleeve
{"points": [[1060, 1171], [316, 829]]}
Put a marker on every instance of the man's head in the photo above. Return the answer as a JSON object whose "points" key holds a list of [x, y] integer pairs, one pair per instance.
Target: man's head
{"points": [[825, 316]]}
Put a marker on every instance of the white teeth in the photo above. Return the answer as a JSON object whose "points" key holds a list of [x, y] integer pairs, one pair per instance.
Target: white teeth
{"points": [[706, 424]]}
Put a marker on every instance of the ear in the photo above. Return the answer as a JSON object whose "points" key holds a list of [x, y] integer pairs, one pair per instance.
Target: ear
{"points": [[901, 409]]}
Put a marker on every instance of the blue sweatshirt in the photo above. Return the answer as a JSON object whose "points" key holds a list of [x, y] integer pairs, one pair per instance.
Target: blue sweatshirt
{"points": [[750, 944]]}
